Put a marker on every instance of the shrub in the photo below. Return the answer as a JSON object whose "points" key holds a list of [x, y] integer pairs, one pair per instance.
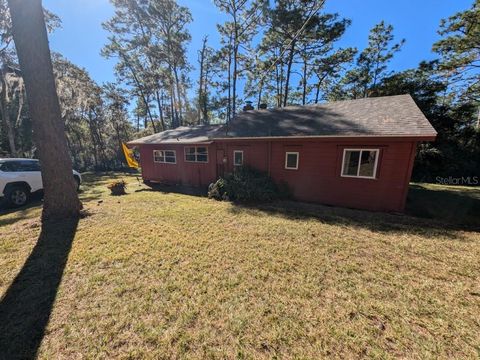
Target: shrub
{"points": [[117, 187], [246, 184]]}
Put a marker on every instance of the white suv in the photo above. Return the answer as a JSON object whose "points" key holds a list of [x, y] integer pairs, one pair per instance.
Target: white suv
{"points": [[21, 177]]}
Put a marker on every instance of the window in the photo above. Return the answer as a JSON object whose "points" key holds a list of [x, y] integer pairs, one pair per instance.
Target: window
{"points": [[291, 160], [10, 166], [165, 156], [238, 158], [360, 163], [196, 154], [20, 166], [32, 165]]}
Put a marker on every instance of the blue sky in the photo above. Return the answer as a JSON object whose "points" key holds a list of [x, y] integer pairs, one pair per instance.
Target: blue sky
{"points": [[81, 36]]}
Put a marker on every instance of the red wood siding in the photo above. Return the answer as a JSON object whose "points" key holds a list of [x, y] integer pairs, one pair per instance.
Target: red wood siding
{"points": [[183, 172], [318, 178]]}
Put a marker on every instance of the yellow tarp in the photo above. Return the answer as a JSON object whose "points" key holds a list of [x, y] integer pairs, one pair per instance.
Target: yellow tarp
{"points": [[131, 162]]}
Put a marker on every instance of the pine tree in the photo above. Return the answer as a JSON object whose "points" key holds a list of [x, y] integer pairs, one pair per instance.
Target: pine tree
{"points": [[149, 39], [371, 65], [244, 18], [300, 39], [460, 53]]}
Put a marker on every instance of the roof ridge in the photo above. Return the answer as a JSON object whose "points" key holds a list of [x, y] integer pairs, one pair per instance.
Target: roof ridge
{"points": [[290, 107]]}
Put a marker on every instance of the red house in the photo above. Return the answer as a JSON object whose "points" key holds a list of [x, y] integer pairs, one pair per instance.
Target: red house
{"points": [[353, 153]]}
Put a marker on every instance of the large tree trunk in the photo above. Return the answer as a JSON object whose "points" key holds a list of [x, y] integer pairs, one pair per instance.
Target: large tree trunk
{"points": [[30, 36]]}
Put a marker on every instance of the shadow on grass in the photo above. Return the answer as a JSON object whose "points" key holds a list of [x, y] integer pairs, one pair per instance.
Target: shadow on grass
{"points": [[21, 213], [459, 207], [428, 212], [373, 221], [26, 306], [86, 193]]}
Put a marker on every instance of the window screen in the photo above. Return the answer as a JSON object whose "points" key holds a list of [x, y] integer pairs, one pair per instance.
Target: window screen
{"points": [[360, 163], [196, 154], [291, 160], [238, 158], [165, 156]]}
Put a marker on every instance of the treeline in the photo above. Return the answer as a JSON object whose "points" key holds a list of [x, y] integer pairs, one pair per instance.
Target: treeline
{"points": [[96, 117], [273, 54]]}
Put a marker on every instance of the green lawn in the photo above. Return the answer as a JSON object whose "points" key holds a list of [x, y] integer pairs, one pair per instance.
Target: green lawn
{"points": [[164, 275]]}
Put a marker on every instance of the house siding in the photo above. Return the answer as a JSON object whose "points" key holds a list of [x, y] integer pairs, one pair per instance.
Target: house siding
{"points": [[318, 178], [183, 172]]}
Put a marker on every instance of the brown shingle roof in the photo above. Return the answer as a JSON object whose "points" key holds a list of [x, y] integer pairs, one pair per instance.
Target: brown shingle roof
{"points": [[184, 134], [381, 116]]}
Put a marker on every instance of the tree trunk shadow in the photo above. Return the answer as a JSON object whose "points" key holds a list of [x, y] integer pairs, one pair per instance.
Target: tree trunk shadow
{"points": [[27, 304]]}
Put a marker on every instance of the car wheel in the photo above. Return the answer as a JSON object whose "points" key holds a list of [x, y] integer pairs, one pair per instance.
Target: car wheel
{"points": [[17, 196]]}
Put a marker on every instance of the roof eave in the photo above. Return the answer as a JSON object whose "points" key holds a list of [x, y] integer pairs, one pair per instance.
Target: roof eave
{"points": [[419, 137], [416, 137], [172, 142]]}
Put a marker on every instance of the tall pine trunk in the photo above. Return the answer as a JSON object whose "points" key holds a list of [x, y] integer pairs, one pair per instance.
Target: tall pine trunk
{"points": [[235, 61], [179, 95], [31, 41], [229, 81], [206, 120], [160, 110], [318, 87], [260, 91], [289, 71], [234, 80], [304, 82], [200, 81]]}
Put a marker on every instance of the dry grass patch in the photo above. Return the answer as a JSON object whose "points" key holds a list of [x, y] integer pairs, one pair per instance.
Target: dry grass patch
{"points": [[156, 275]]}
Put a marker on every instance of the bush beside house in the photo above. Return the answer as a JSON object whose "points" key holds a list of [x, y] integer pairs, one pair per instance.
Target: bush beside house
{"points": [[246, 184]]}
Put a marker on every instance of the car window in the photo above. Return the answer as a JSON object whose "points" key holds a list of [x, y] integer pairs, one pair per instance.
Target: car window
{"points": [[29, 166], [18, 166], [10, 166]]}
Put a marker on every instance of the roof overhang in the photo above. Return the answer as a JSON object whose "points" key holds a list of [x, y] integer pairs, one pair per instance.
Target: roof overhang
{"points": [[416, 137], [397, 137], [170, 142]]}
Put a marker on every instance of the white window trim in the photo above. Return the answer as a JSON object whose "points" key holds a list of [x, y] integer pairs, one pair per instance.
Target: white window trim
{"points": [[165, 162], [196, 153], [377, 151], [286, 159], [235, 152]]}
